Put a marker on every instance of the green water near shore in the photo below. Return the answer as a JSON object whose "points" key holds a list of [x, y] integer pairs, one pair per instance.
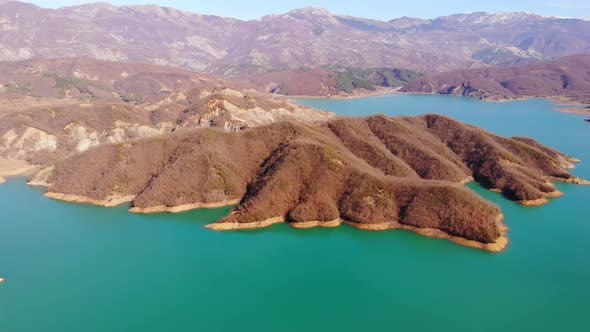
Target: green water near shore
{"points": [[71, 267]]}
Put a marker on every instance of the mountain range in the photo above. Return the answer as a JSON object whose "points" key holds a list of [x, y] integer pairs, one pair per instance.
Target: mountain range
{"points": [[308, 37]]}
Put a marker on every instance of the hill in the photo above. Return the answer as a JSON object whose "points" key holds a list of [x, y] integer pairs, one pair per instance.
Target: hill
{"points": [[90, 80], [46, 130], [331, 81], [373, 173], [567, 77]]}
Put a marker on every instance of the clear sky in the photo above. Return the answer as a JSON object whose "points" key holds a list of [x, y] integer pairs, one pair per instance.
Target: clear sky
{"points": [[378, 9]]}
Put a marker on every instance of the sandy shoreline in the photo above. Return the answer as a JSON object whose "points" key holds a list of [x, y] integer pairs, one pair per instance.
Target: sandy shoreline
{"points": [[315, 223], [14, 168], [41, 178], [541, 201], [467, 180], [377, 93], [584, 111], [574, 180], [111, 201], [534, 202], [183, 208], [227, 226], [116, 200], [223, 226], [497, 246]]}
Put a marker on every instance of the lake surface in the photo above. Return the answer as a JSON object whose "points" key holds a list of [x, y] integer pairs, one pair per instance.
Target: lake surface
{"points": [[78, 268]]}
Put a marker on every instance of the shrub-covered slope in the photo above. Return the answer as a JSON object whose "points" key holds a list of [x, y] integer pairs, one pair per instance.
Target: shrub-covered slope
{"points": [[42, 135], [566, 77], [374, 173]]}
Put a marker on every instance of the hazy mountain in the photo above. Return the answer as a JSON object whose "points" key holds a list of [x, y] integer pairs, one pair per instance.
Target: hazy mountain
{"points": [[304, 37], [330, 81], [90, 80]]}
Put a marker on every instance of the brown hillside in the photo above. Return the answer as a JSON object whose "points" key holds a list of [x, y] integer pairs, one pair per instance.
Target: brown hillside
{"points": [[90, 80], [569, 77], [298, 82], [54, 129], [374, 173], [336, 81]]}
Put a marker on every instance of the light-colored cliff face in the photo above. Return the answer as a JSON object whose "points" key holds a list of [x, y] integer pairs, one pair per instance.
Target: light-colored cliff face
{"points": [[16, 145], [233, 115], [23, 143], [83, 138], [43, 135]]}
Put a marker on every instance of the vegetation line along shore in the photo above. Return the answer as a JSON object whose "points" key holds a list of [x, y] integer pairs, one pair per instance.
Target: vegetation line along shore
{"points": [[373, 173]]}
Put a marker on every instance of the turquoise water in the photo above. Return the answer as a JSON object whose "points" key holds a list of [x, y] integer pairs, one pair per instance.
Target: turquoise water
{"points": [[75, 267]]}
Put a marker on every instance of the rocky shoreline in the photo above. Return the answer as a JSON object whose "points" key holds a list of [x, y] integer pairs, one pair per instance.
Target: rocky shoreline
{"points": [[111, 201], [574, 180], [242, 226], [315, 223], [115, 200], [541, 201], [356, 95], [499, 245], [183, 208]]}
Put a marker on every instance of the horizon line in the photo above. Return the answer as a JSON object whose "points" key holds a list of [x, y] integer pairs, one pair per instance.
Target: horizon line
{"points": [[293, 9]]}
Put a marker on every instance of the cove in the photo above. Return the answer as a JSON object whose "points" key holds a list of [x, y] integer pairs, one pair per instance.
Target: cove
{"points": [[74, 267]]}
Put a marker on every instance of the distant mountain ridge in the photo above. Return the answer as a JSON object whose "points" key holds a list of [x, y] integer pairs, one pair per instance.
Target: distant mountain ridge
{"points": [[327, 82], [308, 37], [567, 77]]}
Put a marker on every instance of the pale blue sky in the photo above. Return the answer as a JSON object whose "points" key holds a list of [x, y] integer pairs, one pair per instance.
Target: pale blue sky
{"points": [[379, 9]]}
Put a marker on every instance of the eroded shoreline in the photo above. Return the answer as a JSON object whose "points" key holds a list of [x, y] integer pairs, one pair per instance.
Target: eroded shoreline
{"points": [[499, 245]]}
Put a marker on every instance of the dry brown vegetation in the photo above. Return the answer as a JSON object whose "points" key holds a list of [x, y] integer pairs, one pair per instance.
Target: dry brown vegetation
{"points": [[372, 171], [89, 80], [568, 77], [519, 167], [48, 132]]}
